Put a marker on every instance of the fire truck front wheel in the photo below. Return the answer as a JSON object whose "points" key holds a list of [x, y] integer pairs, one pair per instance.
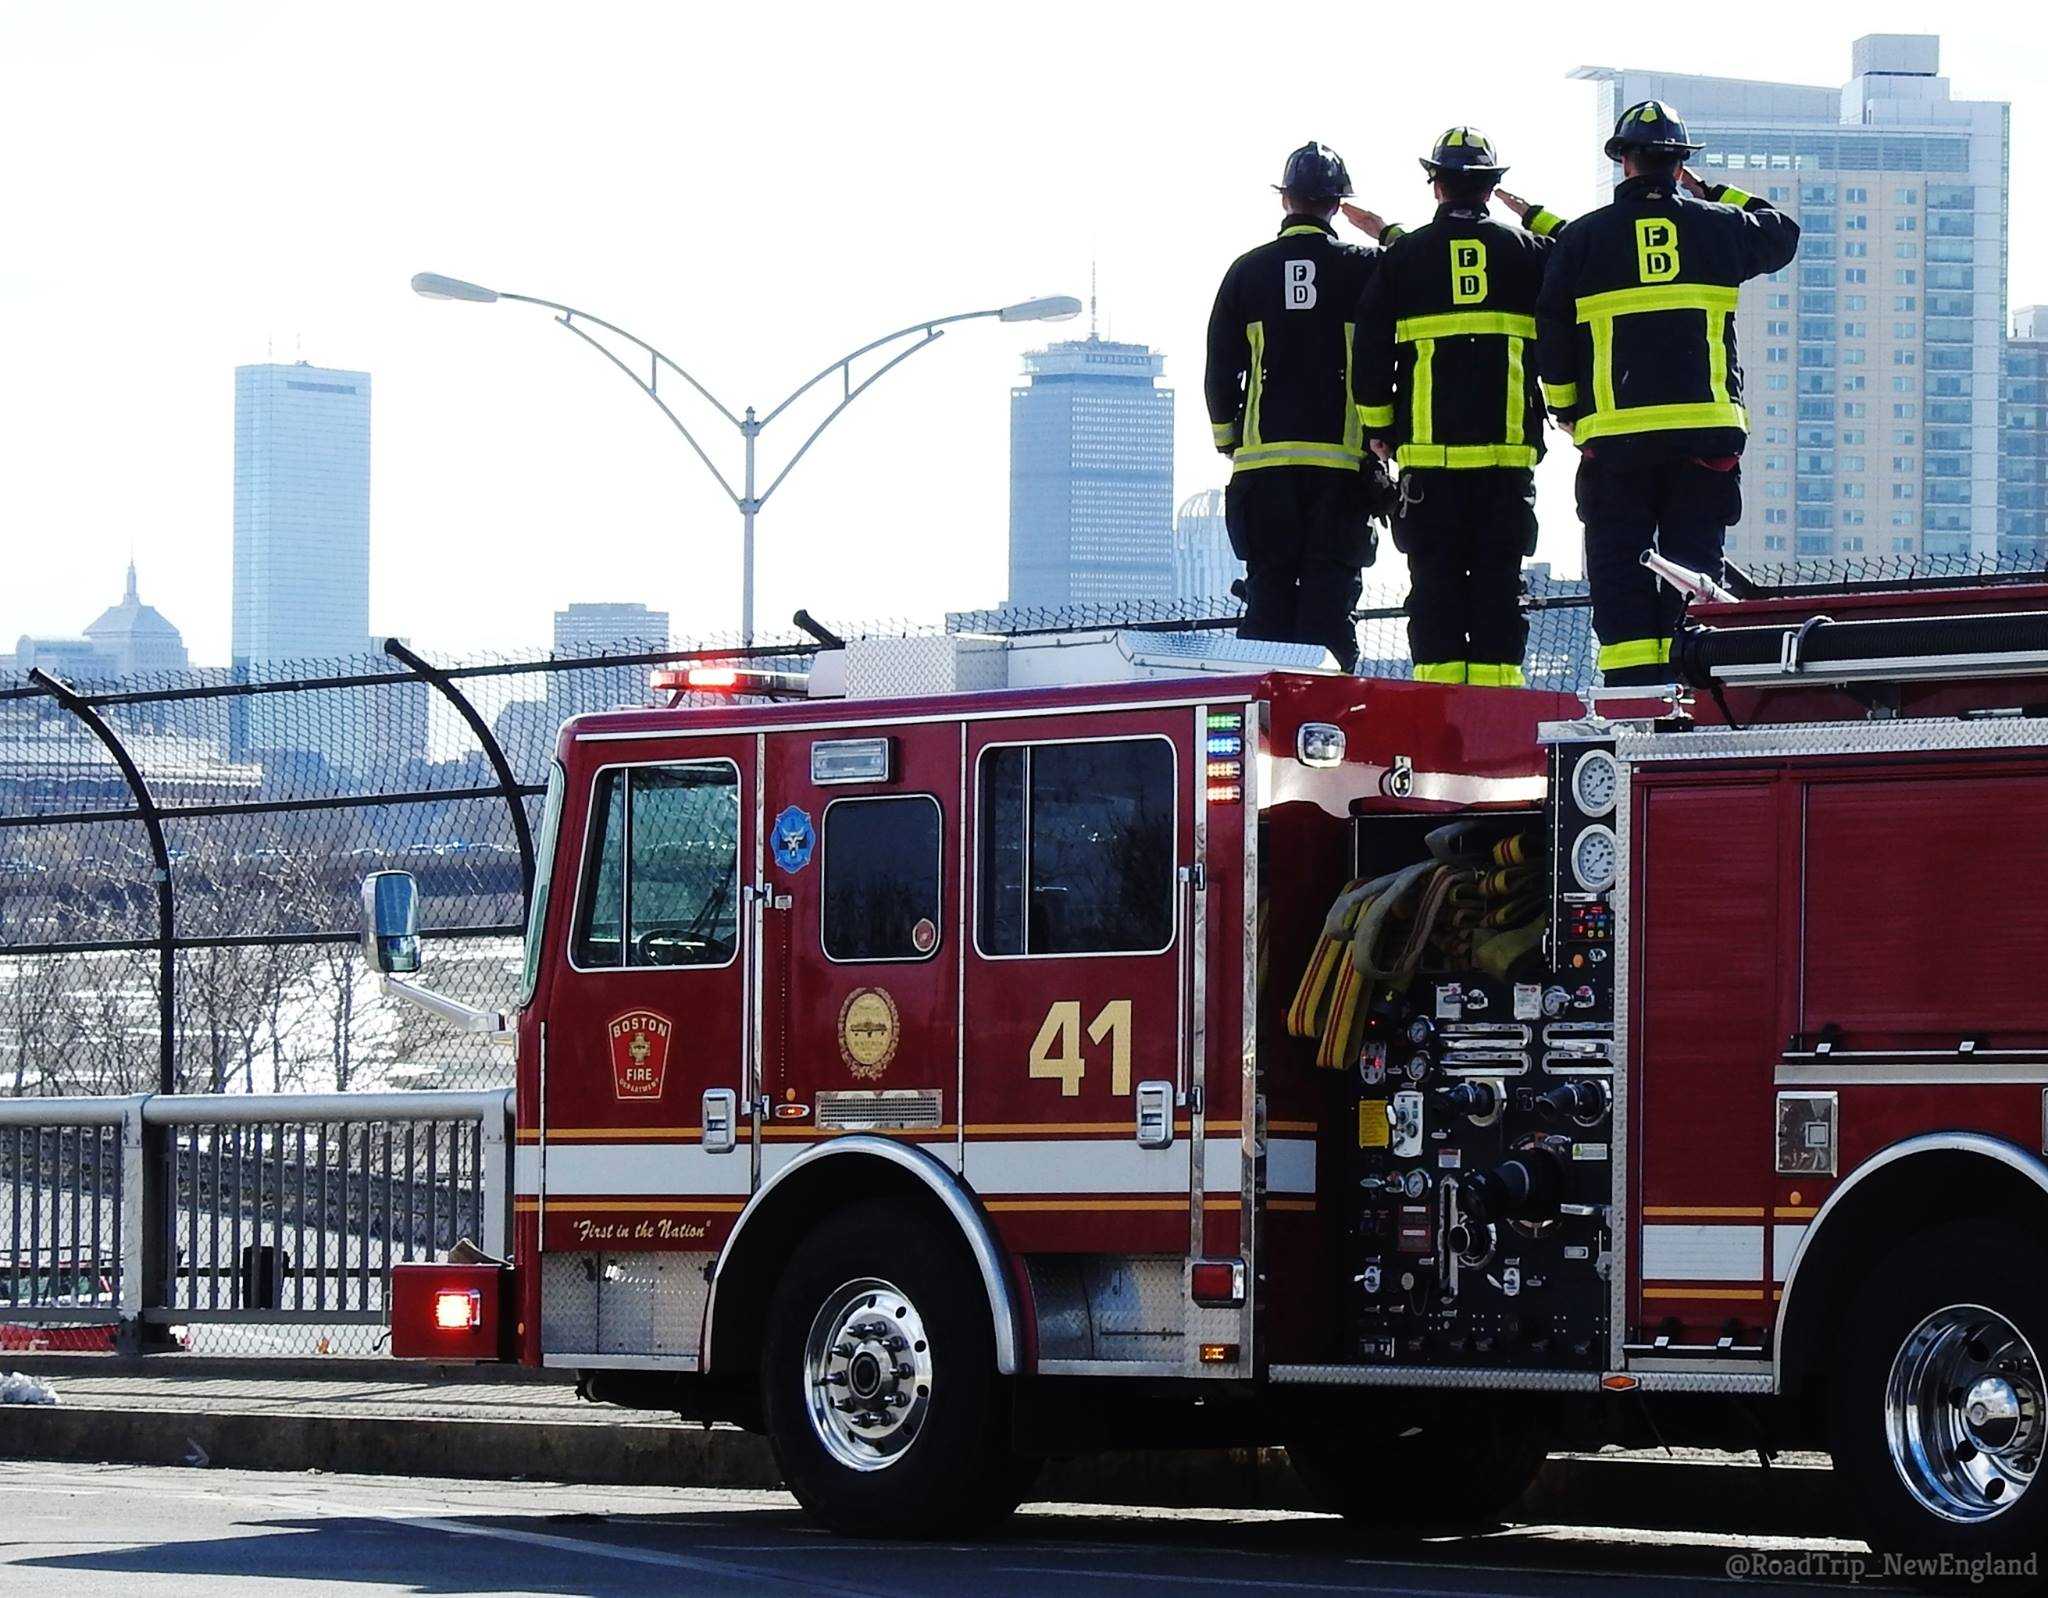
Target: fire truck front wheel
{"points": [[1940, 1409], [878, 1380]]}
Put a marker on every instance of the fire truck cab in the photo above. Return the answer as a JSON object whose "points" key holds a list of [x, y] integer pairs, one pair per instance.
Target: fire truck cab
{"points": [[1419, 1076]]}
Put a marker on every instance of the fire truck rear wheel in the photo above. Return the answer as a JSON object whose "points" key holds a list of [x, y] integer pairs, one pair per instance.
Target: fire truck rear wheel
{"points": [[1479, 1453], [1940, 1405], [879, 1388]]}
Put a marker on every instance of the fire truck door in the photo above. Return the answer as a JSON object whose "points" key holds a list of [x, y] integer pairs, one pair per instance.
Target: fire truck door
{"points": [[1080, 1090], [645, 1141], [860, 957]]}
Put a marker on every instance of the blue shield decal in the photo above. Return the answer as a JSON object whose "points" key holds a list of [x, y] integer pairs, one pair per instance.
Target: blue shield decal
{"points": [[792, 839]]}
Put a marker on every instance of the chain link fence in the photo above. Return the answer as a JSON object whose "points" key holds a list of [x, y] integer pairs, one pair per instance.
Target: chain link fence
{"points": [[181, 854]]}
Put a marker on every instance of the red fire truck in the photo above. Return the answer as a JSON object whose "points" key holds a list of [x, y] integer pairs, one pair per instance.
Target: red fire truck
{"points": [[1095, 1051]]}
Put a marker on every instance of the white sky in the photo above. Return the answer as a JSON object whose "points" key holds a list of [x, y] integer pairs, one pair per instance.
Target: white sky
{"points": [[756, 189]]}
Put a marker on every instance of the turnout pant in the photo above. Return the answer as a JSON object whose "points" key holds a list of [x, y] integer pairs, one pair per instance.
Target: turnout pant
{"points": [[1465, 534], [1683, 509], [1302, 534]]}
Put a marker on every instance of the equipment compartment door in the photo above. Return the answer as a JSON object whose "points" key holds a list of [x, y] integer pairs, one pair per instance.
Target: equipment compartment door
{"points": [[646, 1145], [1077, 983], [1707, 903]]}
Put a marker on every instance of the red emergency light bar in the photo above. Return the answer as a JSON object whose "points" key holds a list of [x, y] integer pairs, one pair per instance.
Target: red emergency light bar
{"points": [[760, 681]]}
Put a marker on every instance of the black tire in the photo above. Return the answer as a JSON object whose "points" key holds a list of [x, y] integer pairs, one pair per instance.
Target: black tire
{"points": [[1467, 1457], [1957, 1276], [955, 1472]]}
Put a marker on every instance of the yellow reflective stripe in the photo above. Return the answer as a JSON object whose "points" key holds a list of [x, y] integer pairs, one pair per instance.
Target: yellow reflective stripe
{"points": [[1544, 223], [1518, 392], [1731, 195], [1717, 356], [1299, 452], [1411, 329], [1422, 393], [1560, 396], [1484, 675], [1465, 457], [1255, 335], [1635, 652], [1376, 417], [1391, 232], [1440, 671], [1658, 297], [1354, 428], [1290, 232], [1223, 432], [1658, 419], [1603, 364]]}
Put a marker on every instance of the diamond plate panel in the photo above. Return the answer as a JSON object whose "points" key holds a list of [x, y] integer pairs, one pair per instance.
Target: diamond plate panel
{"points": [[650, 1303]]}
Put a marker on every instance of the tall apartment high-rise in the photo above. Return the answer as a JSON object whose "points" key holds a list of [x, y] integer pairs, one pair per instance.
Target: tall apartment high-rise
{"points": [[302, 541], [1091, 476], [1872, 363], [2023, 457], [599, 629]]}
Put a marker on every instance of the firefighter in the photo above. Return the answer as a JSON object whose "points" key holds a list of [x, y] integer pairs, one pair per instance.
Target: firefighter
{"points": [[1278, 386], [1446, 388], [1636, 345]]}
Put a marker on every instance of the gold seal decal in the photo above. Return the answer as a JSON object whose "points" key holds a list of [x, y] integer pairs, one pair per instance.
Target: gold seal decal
{"points": [[868, 1029]]}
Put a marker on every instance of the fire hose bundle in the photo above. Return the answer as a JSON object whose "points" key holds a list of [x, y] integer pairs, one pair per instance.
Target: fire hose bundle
{"points": [[1470, 906]]}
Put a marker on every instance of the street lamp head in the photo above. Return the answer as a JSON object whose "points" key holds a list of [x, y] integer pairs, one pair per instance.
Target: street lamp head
{"points": [[1054, 308], [433, 286]]}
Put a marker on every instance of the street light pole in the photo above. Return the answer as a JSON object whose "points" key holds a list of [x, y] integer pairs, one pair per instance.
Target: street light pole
{"points": [[750, 497]]}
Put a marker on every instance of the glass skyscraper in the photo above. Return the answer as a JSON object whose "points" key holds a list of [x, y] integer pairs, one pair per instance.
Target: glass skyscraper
{"points": [[302, 542], [302, 514], [1091, 476], [1872, 364]]}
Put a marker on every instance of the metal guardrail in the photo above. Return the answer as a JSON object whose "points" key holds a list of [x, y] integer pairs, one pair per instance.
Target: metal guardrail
{"points": [[280, 1209]]}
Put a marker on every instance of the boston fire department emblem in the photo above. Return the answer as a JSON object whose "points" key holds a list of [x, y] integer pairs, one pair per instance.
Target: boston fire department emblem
{"points": [[868, 1029], [639, 1054]]}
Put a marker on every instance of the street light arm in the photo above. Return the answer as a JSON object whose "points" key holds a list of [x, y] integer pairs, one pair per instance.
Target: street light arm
{"points": [[649, 390], [568, 315], [845, 361], [932, 335]]}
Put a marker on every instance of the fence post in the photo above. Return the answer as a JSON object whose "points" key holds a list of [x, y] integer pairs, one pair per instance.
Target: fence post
{"points": [[508, 783], [155, 1198], [496, 1222], [136, 1230]]}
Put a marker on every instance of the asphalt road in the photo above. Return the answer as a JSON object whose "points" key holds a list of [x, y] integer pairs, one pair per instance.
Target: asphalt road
{"points": [[120, 1531]]}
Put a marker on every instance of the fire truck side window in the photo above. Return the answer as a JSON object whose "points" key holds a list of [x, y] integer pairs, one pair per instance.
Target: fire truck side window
{"points": [[881, 878], [663, 862], [1076, 848]]}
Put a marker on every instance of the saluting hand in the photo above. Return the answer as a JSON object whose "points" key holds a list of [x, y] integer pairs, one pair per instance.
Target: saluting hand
{"points": [[1515, 203], [1370, 223], [1689, 181]]}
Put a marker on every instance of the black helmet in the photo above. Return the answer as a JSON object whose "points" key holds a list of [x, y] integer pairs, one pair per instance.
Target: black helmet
{"points": [[1649, 127], [1464, 150], [1315, 172]]}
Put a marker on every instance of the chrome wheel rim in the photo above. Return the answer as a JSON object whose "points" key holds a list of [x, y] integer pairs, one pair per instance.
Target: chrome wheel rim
{"points": [[1963, 1414], [867, 1374]]}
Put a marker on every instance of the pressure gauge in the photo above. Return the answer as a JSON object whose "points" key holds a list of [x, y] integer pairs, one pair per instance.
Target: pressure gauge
{"points": [[1595, 858], [1596, 781]]}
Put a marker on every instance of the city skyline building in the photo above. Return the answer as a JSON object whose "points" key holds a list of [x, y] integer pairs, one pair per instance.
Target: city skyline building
{"points": [[1873, 363], [594, 629], [302, 546], [1204, 565], [2023, 455], [1091, 476]]}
